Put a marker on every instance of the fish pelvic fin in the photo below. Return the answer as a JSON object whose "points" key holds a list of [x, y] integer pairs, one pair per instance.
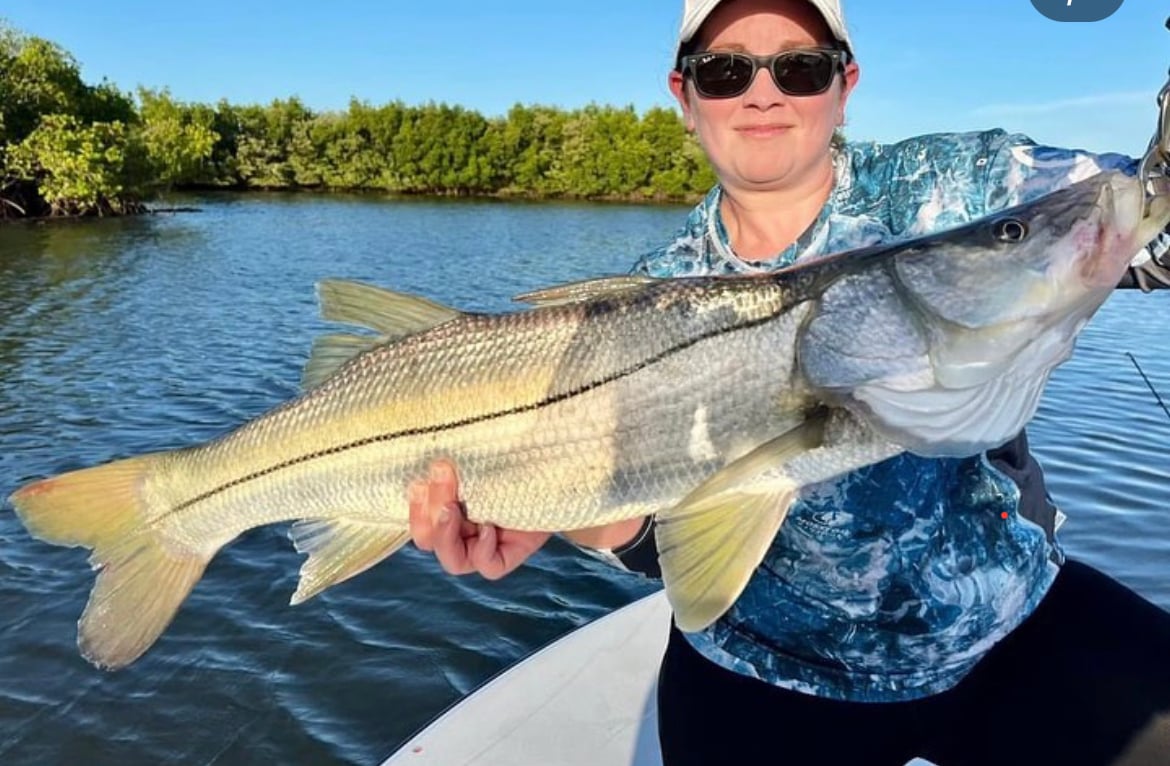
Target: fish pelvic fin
{"points": [[340, 549], [391, 314], [712, 541], [142, 577]]}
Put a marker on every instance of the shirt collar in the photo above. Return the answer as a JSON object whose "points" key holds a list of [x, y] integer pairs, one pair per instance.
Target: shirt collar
{"points": [[811, 241]]}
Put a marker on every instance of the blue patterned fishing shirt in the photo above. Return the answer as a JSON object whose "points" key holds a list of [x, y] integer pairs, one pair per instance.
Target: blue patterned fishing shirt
{"points": [[890, 583]]}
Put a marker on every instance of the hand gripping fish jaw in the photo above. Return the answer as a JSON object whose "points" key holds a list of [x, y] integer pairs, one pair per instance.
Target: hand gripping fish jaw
{"points": [[1155, 165]]}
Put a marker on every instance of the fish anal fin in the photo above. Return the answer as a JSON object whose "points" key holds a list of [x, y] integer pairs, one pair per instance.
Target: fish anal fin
{"points": [[340, 549], [712, 541], [584, 290]]}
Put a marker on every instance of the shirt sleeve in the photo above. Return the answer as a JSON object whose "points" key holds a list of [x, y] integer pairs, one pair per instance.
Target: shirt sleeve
{"points": [[1022, 171], [924, 184], [639, 555]]}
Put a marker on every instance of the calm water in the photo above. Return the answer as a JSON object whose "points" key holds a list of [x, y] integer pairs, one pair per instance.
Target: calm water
{"points": [[118, 337]]}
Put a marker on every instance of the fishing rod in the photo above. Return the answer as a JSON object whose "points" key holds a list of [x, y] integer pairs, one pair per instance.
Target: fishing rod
{"points": [[1154, 168], [1149, 385]]}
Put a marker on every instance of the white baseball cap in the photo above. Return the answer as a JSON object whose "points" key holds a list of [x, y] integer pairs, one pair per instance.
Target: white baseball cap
{"points": [[695, 12]]}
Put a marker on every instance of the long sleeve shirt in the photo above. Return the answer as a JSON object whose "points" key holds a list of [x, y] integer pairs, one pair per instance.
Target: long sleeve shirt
{"points": [[891, 582]]}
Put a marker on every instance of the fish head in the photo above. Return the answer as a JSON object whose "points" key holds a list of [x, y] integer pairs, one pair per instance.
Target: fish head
{"points": [[987, 311], [1048, 261]]}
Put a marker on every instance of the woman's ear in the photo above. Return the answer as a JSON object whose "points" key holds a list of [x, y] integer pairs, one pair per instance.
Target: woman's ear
{"points": [[848, 82], [678, 88]]}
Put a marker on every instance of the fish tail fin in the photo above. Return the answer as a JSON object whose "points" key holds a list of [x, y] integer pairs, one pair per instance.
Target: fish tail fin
{"points": [[142, 578], [85, 507]]}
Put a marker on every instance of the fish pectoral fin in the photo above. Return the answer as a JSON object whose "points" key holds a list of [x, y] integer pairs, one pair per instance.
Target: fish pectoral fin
{"points": [[330, 352], [584, 290], [712, 541], [340, 549], [392, 314]]}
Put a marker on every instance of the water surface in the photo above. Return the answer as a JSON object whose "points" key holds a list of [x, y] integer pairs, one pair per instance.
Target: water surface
{"points": [[123, 336]]}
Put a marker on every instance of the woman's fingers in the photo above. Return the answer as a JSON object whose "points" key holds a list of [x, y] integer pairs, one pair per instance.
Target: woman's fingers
{"points": [[439, 525], [421, 530], [449, 527], [498, 552]]}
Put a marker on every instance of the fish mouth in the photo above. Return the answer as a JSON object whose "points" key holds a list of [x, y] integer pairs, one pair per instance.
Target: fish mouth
{"points": [[1112, 229], [1097, 269]]}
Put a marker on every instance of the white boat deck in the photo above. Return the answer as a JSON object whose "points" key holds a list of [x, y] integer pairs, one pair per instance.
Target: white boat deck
{"points": [[587, 699]]}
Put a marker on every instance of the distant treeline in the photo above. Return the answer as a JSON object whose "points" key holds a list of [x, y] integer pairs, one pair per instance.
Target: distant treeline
{"points": [[70, 148]]}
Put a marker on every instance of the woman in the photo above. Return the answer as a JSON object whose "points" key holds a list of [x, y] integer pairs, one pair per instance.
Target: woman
{"points": [[918, 607]]}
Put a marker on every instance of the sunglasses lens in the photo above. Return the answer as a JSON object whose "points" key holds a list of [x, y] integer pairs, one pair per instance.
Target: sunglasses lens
{"points": [[803, 72], [797, 73], [719, 75]]}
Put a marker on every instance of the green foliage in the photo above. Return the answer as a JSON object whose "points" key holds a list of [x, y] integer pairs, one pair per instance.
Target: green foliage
{"points": [[525, 149], [83, 148], [105, 103], [81, 168], [603, 154], [178, 138], [64, 144], [266, 156], [598, 152], [37, 77]]}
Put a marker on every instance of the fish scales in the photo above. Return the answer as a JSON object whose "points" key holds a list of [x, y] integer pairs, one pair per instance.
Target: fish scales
{"points": [[711, 403], [500, 394]]}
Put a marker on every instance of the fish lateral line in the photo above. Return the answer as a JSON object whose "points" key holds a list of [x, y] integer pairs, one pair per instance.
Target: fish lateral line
{"points": [[441, 427]]}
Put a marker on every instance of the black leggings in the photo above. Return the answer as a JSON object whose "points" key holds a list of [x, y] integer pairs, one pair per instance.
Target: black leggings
{"points": [[1084, 681]]}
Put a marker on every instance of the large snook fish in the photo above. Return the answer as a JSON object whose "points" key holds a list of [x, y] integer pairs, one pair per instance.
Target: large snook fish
{"points": [[708, 401]]}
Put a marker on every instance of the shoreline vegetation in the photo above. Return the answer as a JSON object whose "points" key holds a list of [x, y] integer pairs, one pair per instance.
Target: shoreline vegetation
{"points": [[70, 149]]}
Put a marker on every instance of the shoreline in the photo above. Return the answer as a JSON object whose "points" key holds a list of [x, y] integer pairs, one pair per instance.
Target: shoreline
{"points": [[140, 208]]}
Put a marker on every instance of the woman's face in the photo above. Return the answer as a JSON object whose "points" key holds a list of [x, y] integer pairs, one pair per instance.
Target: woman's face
{"points": [[765, 139]]}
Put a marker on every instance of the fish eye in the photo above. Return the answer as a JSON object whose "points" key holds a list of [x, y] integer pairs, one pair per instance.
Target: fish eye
{"points": [[1010, 230]]}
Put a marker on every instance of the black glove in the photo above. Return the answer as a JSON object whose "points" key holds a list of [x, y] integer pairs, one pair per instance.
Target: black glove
{"points": [[1152, 273]]}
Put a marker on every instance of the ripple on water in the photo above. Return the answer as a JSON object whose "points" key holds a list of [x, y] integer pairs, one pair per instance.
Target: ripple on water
{"points": [[128, 336]]}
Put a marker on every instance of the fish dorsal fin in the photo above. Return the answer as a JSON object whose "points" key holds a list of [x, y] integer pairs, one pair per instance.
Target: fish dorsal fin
{"points": [[339, 549], [330, 352], [584, 290], [392, 314]]}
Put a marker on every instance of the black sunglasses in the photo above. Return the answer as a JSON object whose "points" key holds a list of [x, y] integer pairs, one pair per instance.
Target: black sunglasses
{"points": [[803, 72]]}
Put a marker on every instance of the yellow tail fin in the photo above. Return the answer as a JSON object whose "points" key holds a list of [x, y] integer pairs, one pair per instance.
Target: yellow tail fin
{"points": [[142, 576]]}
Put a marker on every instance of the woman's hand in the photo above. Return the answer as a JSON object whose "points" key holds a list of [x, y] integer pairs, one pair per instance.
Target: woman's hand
{"points": [[438, 523]]}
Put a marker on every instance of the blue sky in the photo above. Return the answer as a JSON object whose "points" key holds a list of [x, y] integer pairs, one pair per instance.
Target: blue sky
{"points": [[926, 66]]}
